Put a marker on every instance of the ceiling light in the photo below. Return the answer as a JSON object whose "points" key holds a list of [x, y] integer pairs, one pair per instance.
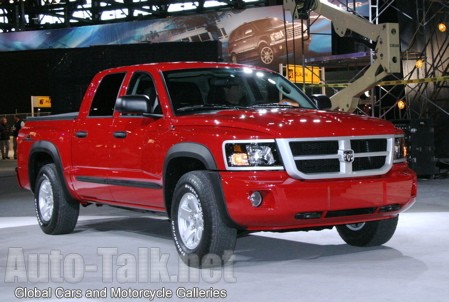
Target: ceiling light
{"points": [[401, 104], [419, 63]]}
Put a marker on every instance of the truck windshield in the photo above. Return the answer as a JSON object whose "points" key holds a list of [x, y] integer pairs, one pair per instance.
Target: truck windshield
{"points": [[208, 89]]}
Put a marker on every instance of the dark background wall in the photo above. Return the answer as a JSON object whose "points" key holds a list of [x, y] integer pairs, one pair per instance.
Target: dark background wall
{"points": [[64, 74]]}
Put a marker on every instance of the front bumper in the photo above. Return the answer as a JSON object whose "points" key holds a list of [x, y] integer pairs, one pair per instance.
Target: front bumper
{"points": [[300, 204]]}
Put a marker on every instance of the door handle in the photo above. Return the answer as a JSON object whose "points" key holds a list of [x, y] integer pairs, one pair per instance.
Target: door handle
{"points": [[81, 134], [120, 134]]}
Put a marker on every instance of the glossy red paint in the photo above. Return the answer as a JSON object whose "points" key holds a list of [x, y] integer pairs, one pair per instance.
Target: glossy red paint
{"points": [[129, 172], [284, 197]]}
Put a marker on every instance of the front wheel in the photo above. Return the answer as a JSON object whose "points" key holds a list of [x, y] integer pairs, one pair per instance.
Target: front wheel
{"points": [[266, 54], [371, 233], [201, 236], [56, 212]]}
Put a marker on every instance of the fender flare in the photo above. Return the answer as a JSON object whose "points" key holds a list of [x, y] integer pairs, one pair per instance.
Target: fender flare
{"points": [[51, 150], [218, 190], [263, 41], [203, 154], [193, 150]]}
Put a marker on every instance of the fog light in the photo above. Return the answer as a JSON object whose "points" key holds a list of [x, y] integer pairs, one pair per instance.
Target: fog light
{"points": [[390, 208], [256, 199], [308, 215]]}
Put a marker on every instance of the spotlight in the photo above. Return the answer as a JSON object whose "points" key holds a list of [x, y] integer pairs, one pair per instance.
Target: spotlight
{"points": [[442, 27], [419, 63], [401, 104]]}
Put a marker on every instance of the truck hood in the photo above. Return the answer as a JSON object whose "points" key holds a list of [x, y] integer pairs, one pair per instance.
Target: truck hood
{"points": [[288, 123]]}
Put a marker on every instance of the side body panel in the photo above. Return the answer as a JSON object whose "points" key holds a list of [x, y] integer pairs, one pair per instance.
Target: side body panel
{"points": [[44, 140], [135, 172], [90, 158]]}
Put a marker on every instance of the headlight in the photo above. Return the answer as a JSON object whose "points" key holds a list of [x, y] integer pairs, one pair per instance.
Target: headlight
{"points": [[400, 150], [250, 155], [277, 36]]}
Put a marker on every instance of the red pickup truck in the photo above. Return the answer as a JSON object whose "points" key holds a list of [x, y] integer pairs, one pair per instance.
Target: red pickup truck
{"points": [[220, 148]]}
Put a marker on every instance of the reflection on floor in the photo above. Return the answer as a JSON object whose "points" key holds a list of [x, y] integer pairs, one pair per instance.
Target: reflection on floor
{"points": [[112, 249]]}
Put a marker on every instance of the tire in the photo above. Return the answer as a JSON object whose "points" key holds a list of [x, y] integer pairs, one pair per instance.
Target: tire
{"points": [[371, 233], [266, 54], [56, 212], [201, 236]]}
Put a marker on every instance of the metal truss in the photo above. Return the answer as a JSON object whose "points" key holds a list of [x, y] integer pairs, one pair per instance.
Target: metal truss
{"points": [[423, 87], [20, 15], [424, 90]]}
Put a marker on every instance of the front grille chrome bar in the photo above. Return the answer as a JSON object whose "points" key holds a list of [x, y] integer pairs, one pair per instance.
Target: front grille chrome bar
{"points": [[337, 157]]}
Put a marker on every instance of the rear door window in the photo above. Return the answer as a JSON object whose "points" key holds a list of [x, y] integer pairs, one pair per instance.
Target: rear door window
{"points": [[106, 95]]}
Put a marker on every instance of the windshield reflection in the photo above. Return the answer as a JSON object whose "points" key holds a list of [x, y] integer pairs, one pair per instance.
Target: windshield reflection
{"points": [[199, 90]]}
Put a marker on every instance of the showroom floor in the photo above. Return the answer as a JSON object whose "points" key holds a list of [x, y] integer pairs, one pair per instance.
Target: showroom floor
{"points": [[116, 253]]}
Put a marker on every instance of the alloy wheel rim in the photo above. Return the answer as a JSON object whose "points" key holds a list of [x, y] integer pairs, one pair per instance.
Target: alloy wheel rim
{"points": [[266, 55], [356, 226], [46, 201], [190, 220]]}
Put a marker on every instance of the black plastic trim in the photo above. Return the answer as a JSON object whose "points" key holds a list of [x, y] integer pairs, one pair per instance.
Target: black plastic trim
{"points": [[120, 134], [81, 134], [120, 182], [218, 191], [202, 153], [350, 212], [50, 149], [193, 150], [54, 117], [95, 180]]}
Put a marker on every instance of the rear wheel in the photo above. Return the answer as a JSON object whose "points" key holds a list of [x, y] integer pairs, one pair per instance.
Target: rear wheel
{"points": [[56, 212], [201, 236], [371, 233]]}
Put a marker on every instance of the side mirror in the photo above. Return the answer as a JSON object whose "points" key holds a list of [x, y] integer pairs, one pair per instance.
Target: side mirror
{"points": [[322, 101], [137, 104]]}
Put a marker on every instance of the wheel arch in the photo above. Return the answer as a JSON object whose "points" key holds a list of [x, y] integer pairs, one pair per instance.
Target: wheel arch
{"points": [[264, 41], [180, 159], [191, 150], [42, 153], [186, 157]]}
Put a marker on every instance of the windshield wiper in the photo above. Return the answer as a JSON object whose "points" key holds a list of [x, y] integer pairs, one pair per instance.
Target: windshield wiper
{"points": [[207, 107], [273, 105]]}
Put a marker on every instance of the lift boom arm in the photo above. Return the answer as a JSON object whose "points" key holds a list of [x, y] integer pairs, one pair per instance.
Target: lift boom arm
{"points": [[386, 56]]}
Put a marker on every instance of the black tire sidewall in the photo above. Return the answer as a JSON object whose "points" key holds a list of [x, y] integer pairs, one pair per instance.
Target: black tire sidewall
{"points": [[46, 172], [65, 210], [188, 184], [373, 233], [218, 239]]}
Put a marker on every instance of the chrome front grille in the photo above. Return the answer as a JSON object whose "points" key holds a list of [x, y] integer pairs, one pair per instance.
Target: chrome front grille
{"points": [[295, 33], [337, 157]]}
